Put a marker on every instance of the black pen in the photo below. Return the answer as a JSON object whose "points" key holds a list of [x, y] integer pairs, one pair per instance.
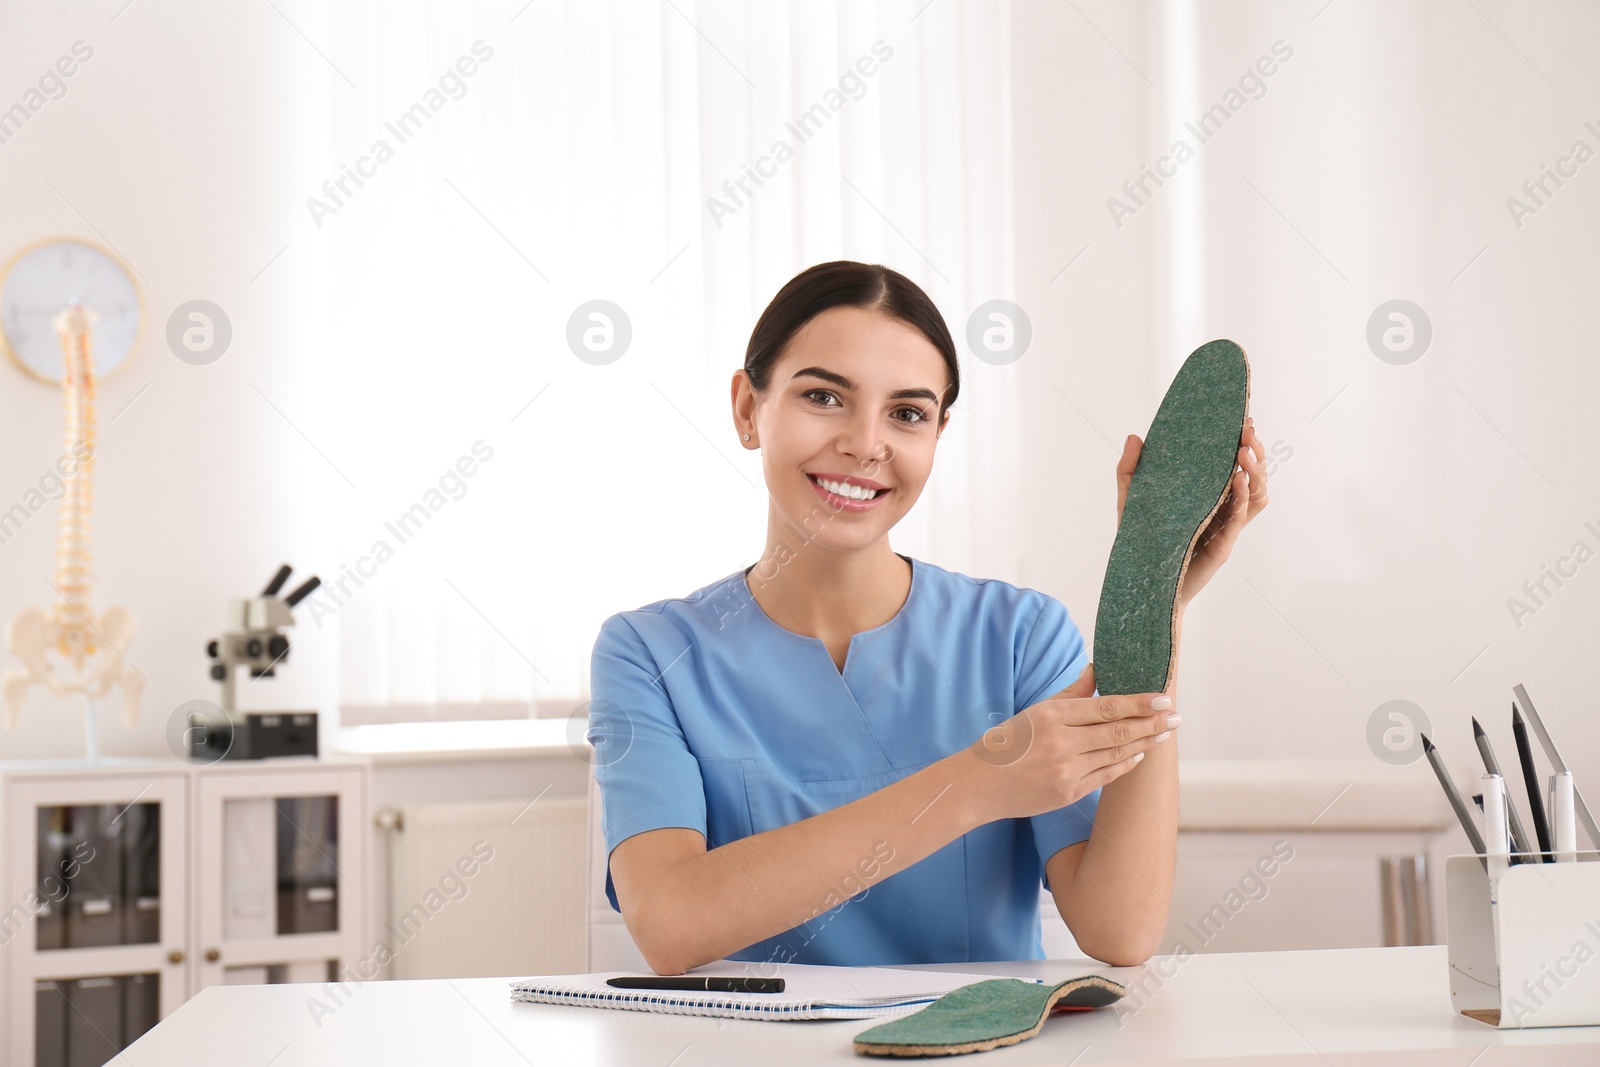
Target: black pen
{"points": [[1519, 837], [701, 985], [1536, 724], [1530, 778]]}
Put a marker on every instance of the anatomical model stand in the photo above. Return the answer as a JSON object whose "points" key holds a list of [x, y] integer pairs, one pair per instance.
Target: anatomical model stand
{"points": [[69, 651]]}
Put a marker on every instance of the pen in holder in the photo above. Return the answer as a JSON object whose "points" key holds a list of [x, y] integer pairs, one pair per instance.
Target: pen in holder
{"points": [[1524, 940], [1563, 816]]}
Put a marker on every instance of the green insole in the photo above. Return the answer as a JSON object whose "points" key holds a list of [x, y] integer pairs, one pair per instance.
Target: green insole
{"points": [[1188, 459], [984, 1015]]}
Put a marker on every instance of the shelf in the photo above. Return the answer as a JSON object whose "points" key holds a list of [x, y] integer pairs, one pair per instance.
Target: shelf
{"points": [[426, 742], [1318, 796]]}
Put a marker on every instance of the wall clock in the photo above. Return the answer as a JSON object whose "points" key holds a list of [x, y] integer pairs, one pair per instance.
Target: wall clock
{"points": [[46, 277]]}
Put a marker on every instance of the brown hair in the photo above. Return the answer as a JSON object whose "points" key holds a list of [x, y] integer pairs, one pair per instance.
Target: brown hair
{"points": [[847, 283]]}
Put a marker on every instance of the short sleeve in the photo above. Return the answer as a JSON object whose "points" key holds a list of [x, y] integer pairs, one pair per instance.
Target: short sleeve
{"points": [[1053, 655], [647, 776]]}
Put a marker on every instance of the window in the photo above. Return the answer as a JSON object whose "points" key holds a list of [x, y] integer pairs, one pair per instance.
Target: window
{"points": [[473, 175]]}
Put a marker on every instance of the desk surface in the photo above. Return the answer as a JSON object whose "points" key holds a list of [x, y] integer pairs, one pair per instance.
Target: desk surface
{"points": [[1332, 1007]]}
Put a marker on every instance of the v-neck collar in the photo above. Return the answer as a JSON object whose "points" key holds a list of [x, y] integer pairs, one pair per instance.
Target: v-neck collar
{"points": [[911, 594]]}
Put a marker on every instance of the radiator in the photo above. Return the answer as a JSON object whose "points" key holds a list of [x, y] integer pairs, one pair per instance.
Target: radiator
{"points": [[491, 889]]}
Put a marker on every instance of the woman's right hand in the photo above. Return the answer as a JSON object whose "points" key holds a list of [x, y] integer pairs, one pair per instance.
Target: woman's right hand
{"points": [[1063, 748]]}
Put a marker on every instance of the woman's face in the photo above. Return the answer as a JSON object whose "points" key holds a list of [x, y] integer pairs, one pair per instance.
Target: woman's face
{"points": [[853, 399]]}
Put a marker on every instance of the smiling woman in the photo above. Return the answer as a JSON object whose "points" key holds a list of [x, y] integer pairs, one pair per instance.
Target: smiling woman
{"points": [[839, 710], [847, 384]]}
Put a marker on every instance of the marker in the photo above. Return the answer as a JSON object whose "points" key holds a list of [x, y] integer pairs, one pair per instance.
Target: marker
{"points": [[1453, 795], [1519, 836], [1530, 779], [1494, 829], [701, 985], [1563, 823], [1495, 834], [1494, 825]]}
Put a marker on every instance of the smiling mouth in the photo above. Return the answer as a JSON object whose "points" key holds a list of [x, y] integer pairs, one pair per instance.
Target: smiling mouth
{"points": [[845, 491]]}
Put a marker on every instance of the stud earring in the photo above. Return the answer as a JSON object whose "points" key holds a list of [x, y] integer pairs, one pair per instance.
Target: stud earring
{"points": [[747, 437]]}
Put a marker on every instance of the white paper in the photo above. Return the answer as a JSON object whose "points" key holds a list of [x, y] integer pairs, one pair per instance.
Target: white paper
{"points": [[810, 991]]}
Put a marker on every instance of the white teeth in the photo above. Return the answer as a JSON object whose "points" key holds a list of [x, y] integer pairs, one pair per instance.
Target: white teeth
{"points": [[844, 489]]}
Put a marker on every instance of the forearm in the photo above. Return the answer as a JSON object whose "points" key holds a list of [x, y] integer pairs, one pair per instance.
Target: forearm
{"points": [[1119, 896], [757, 887]]}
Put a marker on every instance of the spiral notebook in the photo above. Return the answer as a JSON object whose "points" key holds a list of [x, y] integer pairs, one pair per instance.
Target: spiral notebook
{"points": [[810, 992]]}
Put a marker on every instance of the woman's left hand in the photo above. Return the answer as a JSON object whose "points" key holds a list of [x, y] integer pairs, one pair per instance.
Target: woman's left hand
{"points": [[1246, 496]]}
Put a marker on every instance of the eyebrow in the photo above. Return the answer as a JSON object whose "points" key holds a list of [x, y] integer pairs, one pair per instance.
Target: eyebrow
{"points": [[845, 383]]}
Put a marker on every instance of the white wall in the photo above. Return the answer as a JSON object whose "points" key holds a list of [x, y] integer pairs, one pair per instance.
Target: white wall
{"points": [[1414, 505], [1423, 497], [172, 143]]}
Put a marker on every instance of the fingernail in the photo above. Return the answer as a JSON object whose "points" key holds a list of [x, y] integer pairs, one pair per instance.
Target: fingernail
{"points": [[1137, 756], [1160, 703], [1174, 719], [1163, 736]]}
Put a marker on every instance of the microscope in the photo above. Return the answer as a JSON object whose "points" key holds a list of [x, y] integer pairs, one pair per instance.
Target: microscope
{"points": [[253, 640]]}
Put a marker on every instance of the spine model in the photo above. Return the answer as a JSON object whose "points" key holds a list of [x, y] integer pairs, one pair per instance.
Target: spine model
{"points": [[89, 654], [75, 638]]}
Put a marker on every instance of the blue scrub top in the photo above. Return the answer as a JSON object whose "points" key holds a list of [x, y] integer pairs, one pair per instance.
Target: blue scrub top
{"points": [[707, 714]]}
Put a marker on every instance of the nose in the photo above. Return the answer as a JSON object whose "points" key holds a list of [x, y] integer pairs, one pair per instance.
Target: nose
{"points": [[862, 440]]}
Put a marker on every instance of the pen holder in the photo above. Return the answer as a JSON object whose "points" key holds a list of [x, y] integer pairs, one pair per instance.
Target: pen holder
{"points": [[1532, 957]]}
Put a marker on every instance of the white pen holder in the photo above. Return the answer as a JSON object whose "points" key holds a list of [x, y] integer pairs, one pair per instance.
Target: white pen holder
{"points": [[1545, 922]]}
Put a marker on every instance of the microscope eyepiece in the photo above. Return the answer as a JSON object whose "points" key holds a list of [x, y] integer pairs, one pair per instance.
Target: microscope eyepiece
{"points": [[304, 591], [278, 580]]}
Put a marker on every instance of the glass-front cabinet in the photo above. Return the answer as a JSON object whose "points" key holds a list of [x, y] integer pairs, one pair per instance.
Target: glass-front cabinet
{"points": [[94, 928], [282, 856], [130, 886]]}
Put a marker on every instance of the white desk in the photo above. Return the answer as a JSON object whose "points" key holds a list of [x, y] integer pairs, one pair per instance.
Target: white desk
{"points": [[1333, 1007]]}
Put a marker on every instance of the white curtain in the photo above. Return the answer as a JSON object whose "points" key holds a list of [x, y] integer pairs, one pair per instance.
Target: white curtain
{"points": [[536, 157]]}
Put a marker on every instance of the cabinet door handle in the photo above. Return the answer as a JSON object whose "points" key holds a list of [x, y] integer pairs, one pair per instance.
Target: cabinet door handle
{"points": [[175, 956], [212, 955]]}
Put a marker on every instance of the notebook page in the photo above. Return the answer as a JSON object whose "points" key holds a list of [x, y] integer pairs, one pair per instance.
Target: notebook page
{"points": [[810, 991]]}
